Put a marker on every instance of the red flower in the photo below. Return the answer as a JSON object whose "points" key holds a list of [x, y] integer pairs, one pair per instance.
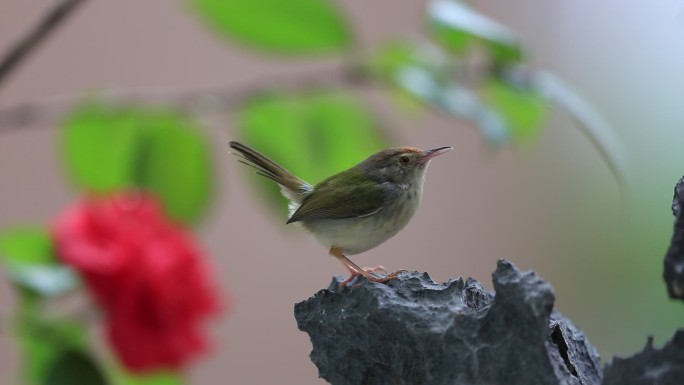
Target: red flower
{"points": [[145, 272]]}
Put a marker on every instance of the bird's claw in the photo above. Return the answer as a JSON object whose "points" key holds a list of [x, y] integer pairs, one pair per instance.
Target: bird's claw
{"points": [[376, 270], [372, 275]]}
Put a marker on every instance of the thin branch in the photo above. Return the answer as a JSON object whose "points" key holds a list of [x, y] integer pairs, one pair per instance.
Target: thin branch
{"points": [[218, 100], [35, 36]]}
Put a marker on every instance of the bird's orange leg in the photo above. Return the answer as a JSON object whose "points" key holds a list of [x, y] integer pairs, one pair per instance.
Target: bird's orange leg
{"points": [[355, 270]]}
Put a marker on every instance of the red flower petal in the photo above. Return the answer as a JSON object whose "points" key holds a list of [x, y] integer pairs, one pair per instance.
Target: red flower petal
{"points": [[145, 272]]}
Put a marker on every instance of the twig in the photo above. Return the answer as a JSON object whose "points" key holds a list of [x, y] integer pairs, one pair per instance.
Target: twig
{"points": [[199, 101], [35, 36]]}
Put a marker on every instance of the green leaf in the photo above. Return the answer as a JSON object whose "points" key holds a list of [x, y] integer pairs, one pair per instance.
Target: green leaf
{"points": [[26, 246], [31, 263], [42, 341], [108, 149], [454, 40], [45, 280], [417, 71], [74, 367], [392, 58], [177, 168], [119, 376], [523, 109], [457, 26], [289, 27], [313, 135], [501, 112], [422, 77], [100, 146]]}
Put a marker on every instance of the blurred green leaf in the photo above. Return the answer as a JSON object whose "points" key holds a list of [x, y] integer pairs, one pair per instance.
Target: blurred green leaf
{"points": [[392, 59], [46, 280], [454, 40], [30, 260], [457, 26], [313, 135], [74, 367], [42, 341], [462, 102], [428, 83], [176, 166], [502, 112], [523, 109], [100, 146], [289, 27], [417, 72], [108, 148], [26, 246], [504, 53], [423, 73], [119, 376], [31, 263]]}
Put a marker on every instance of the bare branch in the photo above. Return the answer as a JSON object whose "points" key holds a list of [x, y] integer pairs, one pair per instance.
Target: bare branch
{"points": [[35, 36], [219, 100]]}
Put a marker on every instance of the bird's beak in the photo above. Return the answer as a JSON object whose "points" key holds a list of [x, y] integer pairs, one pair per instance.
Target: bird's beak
{"points": [[429, 154]]}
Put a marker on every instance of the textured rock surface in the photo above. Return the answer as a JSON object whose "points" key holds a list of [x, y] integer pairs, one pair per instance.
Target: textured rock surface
{"points": [[652, 366], [414, 331], [674, 260]]}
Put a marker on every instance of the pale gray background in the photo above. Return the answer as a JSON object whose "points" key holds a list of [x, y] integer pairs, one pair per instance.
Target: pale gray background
{"points": [[551, 205]]}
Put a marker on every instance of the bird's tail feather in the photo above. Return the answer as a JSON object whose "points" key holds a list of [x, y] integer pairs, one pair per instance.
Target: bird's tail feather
{"points": [[292, 187]]}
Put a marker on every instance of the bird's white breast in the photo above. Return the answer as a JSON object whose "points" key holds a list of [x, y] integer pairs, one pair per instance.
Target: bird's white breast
{"points": [[356, 235]]}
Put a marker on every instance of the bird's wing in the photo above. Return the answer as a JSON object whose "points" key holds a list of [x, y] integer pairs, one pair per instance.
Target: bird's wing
{"points": [[332, 200]]}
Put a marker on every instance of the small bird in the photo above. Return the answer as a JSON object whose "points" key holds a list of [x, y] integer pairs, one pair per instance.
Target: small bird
{"points": [[357, 209]]}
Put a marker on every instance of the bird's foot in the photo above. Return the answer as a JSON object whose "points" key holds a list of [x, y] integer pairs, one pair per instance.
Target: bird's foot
{"points": [[376, 270], [371, 274]]}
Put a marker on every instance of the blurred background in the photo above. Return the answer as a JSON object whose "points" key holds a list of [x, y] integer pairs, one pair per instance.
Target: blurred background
{"points": [[547, 202]]}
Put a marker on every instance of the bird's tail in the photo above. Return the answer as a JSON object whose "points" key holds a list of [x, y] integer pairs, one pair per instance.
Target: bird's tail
{"points": [[291, 186]]}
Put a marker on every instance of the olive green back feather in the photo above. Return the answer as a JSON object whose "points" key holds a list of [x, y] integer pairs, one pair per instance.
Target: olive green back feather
{"points": [[349, 194]]}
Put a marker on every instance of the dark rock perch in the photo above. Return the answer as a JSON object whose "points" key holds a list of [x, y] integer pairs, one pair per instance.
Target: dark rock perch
{"points": [[413, 331], [674, 260], [652, 366]]}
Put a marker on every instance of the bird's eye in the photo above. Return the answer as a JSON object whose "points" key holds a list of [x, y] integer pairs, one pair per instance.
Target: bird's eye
{"points": [[404, 160]]}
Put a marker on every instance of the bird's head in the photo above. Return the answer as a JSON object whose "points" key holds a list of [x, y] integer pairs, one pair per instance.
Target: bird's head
{"points": [[401, 165]]}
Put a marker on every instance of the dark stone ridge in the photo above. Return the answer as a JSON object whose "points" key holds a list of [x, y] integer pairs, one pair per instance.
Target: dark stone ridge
{"points": [[674, 259], [415, 331], [652, 366]]}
